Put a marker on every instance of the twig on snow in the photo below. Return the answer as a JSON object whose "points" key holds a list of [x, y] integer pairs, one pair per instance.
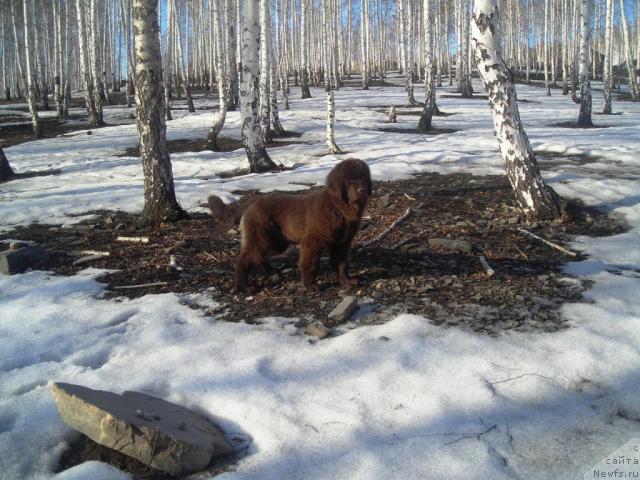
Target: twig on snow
{"points": [[142, 285], [551, 244], [473, 435], [385, 232]]}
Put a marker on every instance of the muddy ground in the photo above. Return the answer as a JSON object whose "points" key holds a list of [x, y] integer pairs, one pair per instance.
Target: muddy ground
{"points": [[414, 268]]}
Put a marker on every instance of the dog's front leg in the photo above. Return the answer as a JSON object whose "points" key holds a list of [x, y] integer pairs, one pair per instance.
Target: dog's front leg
{"points": [[309, 257], [339, 257]]}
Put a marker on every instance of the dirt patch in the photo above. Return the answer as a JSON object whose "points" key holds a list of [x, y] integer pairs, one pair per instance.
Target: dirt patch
{"points": [[575, 125], [460, 97], [50, 127], [33, 173], [225, 144], [433, 131], [83, 449], [415, 113], [401, 273]]}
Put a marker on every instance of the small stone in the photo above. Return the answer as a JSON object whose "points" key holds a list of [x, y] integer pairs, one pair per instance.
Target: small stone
{"points": [[343, 310], [89, 132], [317, 329], [384, 200], [17, 261], [233, 231], [108, 220], [451, 244], [160, 434], [15, 245]]}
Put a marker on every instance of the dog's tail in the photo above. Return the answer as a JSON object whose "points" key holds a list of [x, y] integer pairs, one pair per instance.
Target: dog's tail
{"points": [[223, 213]]}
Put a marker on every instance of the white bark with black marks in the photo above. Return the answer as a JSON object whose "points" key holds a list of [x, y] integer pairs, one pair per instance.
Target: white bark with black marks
{"points": [[584, 118], [424, 124], [259, 160], [31, 92], [533, 197], [222, 76], [265, 43], [306, 93], [160, 202], [606, 77]]}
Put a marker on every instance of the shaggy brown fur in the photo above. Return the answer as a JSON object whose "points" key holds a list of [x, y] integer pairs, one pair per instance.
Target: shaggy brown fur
{"points": [[327, 218]]}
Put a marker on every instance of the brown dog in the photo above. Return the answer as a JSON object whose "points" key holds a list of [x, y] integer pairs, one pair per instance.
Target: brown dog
{"points": [[327, 218]]}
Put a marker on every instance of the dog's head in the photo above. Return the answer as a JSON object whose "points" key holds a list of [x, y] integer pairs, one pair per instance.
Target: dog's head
{"points": [[349, 182]]}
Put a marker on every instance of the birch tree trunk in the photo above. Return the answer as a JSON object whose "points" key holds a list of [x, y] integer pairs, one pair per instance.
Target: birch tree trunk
{"points": [[230, 55], [626, 38], [31, 93], [331, 110], [93, 55], [5, 169], [160, 202], [409, 49], [424, 124], [532, 196], [547, 87], [265, 40], [303, 50], [364, 42], [606, 74], [584, 118], [87, 84], [259, 160], [222, 76]]}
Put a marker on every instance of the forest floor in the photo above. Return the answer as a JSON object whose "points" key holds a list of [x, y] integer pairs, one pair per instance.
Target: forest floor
{"points": [[443, 370]]}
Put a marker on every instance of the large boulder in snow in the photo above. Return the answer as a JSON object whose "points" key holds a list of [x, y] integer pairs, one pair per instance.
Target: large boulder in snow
{"points": [[160, 434]]}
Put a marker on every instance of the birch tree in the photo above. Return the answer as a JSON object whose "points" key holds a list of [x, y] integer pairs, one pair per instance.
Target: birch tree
{"points": [[265, 40], [424, 124], [331, 109], [6, 171], [222, 76], [532, 196], [626, 39], [160, 203], [306, 93], [95, 119], [31, 93], [606, 74], [584, 118], [259, 160]]}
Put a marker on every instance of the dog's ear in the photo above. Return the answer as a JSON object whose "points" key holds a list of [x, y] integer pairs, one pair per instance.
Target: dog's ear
{"points": [[336, 185]]}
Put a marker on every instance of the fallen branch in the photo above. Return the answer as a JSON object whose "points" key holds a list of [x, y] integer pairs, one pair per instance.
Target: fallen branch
{"points": [[551, 244], [488, 270], [473, 435], [385, 232], [142, 285], [95, 253], [133, 239]]}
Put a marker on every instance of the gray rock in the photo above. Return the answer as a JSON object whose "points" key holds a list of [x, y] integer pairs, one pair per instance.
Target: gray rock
{"points": [[384, 200], [317, 329], [17, 261], [17, 244], [160, 434], [451, 244], [343, 310]]}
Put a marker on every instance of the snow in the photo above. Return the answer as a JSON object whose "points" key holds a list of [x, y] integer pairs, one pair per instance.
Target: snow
{"points": [[405, 399]]}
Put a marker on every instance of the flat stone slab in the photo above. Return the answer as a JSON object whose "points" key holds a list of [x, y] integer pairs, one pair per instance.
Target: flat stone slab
{"points": [[160, 434], [17, 260], [343, 310]]}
